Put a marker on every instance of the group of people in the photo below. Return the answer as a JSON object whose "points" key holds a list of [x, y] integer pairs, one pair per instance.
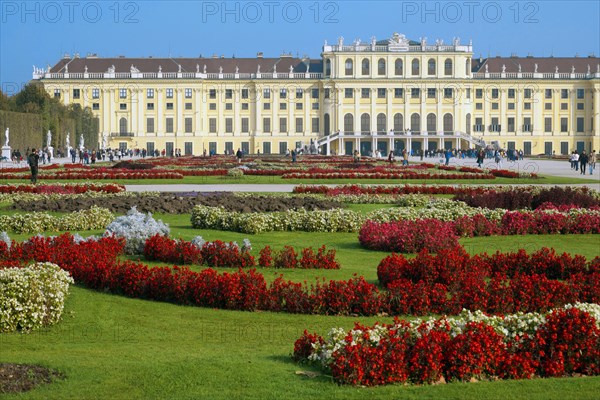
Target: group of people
{"points": [[583, 162]]}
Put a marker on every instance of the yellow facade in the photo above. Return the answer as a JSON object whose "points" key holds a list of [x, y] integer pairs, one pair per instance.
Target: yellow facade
{"points": [[390, 95]]}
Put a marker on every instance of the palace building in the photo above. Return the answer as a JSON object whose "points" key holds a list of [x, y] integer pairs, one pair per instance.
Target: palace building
{"points": [[388, 95]]}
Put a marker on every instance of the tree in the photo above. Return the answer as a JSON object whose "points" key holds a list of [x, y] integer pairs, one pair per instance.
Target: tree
{"points": [[32, 98], [5, 102]]}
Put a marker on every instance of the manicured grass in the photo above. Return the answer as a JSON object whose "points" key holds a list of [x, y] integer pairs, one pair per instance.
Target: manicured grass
{"points": [[111, 347]]}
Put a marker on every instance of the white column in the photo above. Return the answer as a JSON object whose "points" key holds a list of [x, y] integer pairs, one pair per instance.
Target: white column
{"points": [[141, 127], [388, 111], [197, 113], [503, 118], [160, 104], [439, 120], [356, 110], [179, 114], [596, 130], [422, 112], [572, 124], [338, 110], [257, 110], [537, 108], [106, 113]]}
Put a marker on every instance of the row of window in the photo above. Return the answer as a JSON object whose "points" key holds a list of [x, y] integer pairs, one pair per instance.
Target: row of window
{"points": [[398, 123], [283, 93], [365, 93], [527, 106], [365, 124], [527, 93], [213, 147], [528, 127], [212, 125], [398, 67]]}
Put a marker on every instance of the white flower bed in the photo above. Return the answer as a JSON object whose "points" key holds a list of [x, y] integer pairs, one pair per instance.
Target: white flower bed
{"points": [[93, 218], [293, 220], [32, 297], [136, 228], [13, 197], [509, 326], [442, 209], [340, 220]]}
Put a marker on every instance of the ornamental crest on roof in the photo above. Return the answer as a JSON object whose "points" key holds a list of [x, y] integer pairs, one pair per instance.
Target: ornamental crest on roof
{"points": [[398, 42]]}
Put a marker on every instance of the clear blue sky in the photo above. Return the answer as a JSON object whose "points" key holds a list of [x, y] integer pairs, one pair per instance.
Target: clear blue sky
{"points": [[39, 33]]}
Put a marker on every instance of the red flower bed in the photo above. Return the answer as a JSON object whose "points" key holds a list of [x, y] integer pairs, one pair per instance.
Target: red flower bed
{"points": [[288, 258], [412, 236], [98, 173], [63, 189], [543, 198], [229, 255], [503, 173], [408, 236], [500, 283], [444, 283], [567, 343], [395, 190]]}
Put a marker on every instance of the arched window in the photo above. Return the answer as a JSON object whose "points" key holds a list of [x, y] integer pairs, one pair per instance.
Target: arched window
{"points": [[381, 123], [448, 123], [381, 67], [398, 122], [398, 67], [123, 125], [349, 67], [415, 66], [349, 123], [415, 123], [365, 123], [431, 67], [468, 67], [431, 123], [468, 124], [448, 67], [326, 124], [365, 66], [327, 67]]}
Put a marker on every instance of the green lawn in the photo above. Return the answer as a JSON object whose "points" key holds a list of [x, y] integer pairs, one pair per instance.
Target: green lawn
{"points": [[112, 347]]}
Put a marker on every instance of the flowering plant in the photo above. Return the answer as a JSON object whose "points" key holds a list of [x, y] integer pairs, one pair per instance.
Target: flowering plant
{"points": [[32, 297]]}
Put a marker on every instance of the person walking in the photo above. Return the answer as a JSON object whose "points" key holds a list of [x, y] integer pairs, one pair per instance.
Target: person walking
{"points": [[576, 161], [583, 161], [239, 155], [391, 157], [592, 162], [480, 157], [498, 159], [33, 160], [571, 160], [448, 155]]}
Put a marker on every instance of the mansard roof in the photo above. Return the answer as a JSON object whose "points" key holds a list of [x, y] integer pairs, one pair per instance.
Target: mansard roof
{"points": [[544, 64], [213, 65]]}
